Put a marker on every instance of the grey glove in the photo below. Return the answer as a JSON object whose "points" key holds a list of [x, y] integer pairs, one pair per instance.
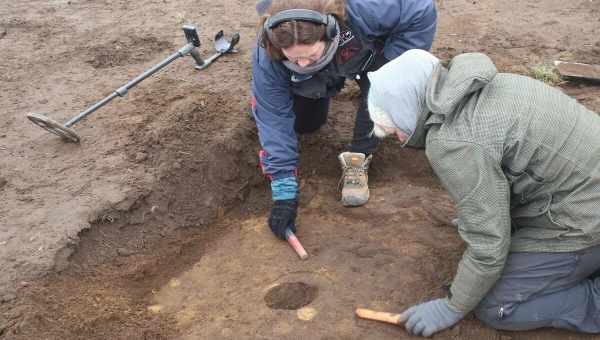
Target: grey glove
{"points": [[429, 317]]}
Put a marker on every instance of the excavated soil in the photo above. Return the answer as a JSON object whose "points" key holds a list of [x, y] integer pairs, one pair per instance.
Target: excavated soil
{"points": [[154, 226]]}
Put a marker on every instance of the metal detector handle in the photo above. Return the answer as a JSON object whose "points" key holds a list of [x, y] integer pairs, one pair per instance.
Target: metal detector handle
{"points": [[191, 35]]}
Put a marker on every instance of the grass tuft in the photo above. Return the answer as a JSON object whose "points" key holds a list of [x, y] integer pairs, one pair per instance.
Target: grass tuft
{"points": [[180, 18], [545, 73]]}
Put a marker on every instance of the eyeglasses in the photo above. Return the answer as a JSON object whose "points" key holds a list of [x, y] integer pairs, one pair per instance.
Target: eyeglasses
{"points": [[304, 55]]}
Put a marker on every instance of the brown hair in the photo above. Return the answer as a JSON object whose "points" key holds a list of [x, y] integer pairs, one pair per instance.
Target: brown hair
{"points": [[294, 32]]}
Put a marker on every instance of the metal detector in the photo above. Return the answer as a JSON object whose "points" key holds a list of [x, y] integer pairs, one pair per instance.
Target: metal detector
{"points": [[193, 42]]}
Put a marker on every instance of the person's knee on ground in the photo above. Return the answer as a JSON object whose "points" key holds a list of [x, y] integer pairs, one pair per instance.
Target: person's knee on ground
{"points": [[490, 316], [507, 317], [545, 290]]}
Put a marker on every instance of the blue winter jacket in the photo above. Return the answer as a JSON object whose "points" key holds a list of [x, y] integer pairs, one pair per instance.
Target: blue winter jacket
{"points": [[401, 24]]}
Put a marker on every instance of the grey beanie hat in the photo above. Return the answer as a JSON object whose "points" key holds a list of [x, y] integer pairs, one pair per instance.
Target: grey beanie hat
{"points": [[397, 93]]}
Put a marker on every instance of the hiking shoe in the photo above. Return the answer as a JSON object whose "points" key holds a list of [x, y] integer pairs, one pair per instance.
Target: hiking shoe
{"points": [[354, 180]]}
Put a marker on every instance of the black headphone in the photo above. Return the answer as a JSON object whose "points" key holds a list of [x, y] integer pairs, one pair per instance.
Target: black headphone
{"points": [[328, 20]]}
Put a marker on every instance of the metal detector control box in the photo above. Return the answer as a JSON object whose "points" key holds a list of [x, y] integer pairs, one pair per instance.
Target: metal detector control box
{"points": [[191, 35]]}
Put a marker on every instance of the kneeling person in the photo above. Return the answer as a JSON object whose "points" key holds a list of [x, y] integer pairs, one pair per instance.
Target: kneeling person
{"points": [[522, 162]]}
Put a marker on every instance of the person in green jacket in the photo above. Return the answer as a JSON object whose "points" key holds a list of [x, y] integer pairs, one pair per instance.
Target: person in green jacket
{"points": [[521, 160]]}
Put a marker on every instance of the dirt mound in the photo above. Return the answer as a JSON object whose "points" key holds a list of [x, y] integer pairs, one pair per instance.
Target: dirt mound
{"points": [[204, 161], [126, 51]]}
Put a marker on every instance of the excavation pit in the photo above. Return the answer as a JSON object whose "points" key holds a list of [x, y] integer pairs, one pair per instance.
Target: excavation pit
{"points": [[291, 295]]}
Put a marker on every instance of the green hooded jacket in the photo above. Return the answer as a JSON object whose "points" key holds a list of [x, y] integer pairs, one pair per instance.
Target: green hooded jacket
{"points": [[520, 159]]}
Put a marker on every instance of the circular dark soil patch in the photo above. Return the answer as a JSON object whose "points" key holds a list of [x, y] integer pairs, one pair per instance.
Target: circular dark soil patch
{"points": [[290, 295]]}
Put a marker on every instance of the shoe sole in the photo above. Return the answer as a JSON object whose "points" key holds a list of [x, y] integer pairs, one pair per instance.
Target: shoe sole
{"points": [[354, 202]]}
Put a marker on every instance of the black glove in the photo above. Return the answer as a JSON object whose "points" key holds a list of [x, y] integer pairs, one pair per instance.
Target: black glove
{"points": [[283, 216]]}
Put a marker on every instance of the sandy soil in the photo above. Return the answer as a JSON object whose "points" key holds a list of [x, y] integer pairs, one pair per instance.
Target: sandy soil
{"points": [[154, 226]]}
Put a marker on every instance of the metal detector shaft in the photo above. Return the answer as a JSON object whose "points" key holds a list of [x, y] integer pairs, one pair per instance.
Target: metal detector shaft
{"points": [[122, 91]]}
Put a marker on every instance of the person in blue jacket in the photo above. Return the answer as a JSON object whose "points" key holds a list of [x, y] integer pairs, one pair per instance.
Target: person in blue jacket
{"points": [[306, 50]]}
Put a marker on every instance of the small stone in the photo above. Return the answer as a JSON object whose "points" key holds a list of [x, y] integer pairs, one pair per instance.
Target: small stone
{"points": [[155, 309], [306, 313], [163, 170], [3, 182], [125, 252], [141, 156], [174, 283]]}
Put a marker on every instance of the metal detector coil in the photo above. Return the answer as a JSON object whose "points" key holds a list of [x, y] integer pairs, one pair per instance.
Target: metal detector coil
{"points": [[56, 128]]}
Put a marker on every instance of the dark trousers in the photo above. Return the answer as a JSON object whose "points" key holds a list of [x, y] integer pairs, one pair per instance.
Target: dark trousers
{"points": [[311, 114], [546, 290]]}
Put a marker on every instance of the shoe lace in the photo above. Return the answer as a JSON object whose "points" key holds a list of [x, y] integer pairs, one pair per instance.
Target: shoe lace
{"points": [[352, 174]]}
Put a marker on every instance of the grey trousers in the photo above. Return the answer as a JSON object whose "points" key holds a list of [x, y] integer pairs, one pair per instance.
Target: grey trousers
{"points": [[546, 290]]}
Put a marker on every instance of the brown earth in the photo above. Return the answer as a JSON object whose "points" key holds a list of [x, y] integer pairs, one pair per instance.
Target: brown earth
{"points": [[154, 226]]}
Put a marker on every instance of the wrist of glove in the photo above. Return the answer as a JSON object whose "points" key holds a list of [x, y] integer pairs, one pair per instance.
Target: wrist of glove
{"points": [[283, 216], [284, 188], [430, 317]]}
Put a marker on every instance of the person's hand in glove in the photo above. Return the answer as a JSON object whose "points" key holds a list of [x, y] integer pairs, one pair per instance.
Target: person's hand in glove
{"points": [[283, 216], [430, 317], [285, 206]]}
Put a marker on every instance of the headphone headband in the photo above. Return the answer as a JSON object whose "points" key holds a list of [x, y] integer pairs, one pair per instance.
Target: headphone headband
{"points": [[296, 14], [327, 20]]}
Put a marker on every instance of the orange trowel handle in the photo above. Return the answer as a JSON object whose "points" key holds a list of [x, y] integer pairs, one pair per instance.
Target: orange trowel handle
{"points": [[378, 316]]}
